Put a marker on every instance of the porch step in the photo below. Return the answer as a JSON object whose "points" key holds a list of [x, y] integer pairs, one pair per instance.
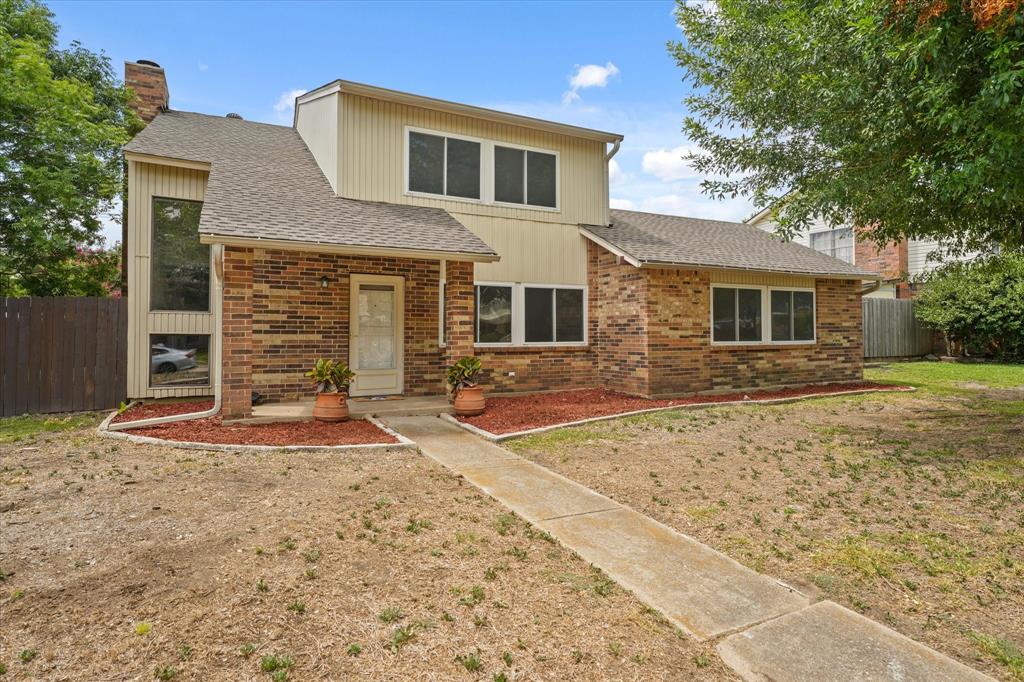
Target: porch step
{"points": [[303, 410]]}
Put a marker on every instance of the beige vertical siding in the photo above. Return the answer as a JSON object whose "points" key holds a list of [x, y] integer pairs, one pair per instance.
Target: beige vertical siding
{"points": [[146, 181], [767, 279], [317, 123], [540, 246]]}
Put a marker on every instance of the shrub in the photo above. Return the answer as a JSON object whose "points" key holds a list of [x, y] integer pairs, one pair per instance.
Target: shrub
{"points": [[978, 306]]}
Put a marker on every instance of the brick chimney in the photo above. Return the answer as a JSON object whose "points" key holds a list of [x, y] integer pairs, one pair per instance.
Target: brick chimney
{"points": [[147, 79]]}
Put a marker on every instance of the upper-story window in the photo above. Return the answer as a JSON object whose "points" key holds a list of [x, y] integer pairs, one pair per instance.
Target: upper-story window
{"points": [[837, 243], [180, 265], [444, 165], [480, 170], [523, 176]]}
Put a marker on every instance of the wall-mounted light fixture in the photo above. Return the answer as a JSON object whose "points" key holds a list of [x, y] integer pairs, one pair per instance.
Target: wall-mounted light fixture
{"points": [[325, 281]]}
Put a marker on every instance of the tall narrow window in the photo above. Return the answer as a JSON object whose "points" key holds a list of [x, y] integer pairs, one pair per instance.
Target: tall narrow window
{"points": [[179, 264], [447, 166], [509, 175]]}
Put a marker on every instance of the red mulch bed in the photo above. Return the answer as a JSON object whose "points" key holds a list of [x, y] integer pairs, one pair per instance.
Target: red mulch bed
{"points": [[213, 430], [520, 413]]}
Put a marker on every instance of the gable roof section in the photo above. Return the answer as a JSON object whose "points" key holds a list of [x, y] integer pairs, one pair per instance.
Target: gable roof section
{"points": [[652, 240], [264, 184], [469, 110]]}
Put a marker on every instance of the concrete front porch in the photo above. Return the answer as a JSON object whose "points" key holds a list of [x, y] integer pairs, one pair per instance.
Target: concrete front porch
{"points": [[359, 408]]}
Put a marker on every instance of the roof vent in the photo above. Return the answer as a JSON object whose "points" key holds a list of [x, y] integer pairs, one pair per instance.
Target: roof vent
{"points": [[234, 115], [148, 62]]}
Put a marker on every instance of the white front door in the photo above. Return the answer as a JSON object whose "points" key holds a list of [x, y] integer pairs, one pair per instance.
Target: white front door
{"points": [[375, 340]]}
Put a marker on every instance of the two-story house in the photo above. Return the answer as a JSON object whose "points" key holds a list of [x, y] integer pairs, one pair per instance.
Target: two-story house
{"points": [[899, 264], [399, 233]]}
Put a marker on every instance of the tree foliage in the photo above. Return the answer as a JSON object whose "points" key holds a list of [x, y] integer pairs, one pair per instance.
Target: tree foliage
{"points": [[978, 305], [903, 115], [63, 119]]}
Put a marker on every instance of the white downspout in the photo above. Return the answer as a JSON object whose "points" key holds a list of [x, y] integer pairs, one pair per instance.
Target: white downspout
{"points": [[613, 151], [218, 334]]}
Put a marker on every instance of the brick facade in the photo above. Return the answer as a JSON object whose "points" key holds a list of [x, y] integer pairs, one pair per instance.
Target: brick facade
{"points": [[649, 330], [150, 86]]}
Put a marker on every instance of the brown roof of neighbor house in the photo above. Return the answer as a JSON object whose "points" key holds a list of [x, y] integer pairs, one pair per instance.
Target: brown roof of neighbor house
{"points": [[649, 239], [265, 184]]}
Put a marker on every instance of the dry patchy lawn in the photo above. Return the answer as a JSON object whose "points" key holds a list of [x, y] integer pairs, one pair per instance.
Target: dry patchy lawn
{"points": [[908, 508], [122, 561]]}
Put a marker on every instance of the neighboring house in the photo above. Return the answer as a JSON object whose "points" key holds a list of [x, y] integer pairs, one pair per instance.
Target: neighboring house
{"points": [[399, 233], [899, 264]]}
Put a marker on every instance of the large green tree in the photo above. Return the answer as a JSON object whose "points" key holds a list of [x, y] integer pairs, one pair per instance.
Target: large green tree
{"points": [[903, 115], [63, 119]]}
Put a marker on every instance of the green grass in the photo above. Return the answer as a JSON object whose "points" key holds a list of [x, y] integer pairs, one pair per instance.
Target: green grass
{"points": [[14, 429], [576, 435], [1003, 651], [947, 377]]}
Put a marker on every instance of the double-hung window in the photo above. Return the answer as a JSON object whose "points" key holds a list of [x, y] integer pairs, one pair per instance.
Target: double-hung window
{"points": [[518, 314], [837, 243], [448, 166], [761, 315]]}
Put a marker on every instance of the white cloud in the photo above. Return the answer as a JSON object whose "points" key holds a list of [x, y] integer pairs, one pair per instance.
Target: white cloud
{"points": [[624, 204], [588, 76], [615, 173], [286, 104], [204, 67], [668, 165]]}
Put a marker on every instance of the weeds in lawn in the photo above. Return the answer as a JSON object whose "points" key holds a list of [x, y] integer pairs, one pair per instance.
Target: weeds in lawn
{"points": [[168, 672], [143, 628], [476, 596], [298, 607], [400, 637], [247, 650], [390, 614], [311, 555], [470, 662], [354, 649], [27, 655], [416, 526], [272, 663], [1003, 651], [14, 429]]}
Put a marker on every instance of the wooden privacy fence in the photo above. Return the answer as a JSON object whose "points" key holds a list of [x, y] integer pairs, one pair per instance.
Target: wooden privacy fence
{"points": [[62, 354], [891, 330]]}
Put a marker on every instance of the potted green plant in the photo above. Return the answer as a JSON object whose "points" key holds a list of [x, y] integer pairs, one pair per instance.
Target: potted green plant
{"points": [[467, 395], [331, 380]]}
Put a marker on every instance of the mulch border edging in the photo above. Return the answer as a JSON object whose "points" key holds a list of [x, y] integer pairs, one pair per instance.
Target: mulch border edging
{"points": [[402, 444], [500, 437]]}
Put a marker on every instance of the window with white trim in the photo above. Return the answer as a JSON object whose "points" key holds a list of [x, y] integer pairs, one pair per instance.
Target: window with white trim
{"points": [[448, 166], [792, 315], [837, 243], [761, 315], [472, 169], [523, 176], [736, 315], [530, 314]]}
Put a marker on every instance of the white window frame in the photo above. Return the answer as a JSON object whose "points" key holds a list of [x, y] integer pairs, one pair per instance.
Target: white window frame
{"points": [[519, 314], [442, 288], [487, 178], [558, 177], [832, 234], [766, 322]]}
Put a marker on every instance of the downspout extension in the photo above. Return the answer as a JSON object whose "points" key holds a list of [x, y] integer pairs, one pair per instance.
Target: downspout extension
{"points": [[218, 318]]}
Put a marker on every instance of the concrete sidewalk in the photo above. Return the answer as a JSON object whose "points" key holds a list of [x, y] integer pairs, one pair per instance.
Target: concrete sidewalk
{"points": [[768, 631]]}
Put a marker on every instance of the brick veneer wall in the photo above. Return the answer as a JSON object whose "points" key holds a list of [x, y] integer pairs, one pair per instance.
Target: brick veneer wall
{"points": [[619, 311], [889, 261], [278, 319], [150, 86]]}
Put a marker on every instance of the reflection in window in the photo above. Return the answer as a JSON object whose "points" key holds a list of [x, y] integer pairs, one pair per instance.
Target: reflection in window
{"points": [[180, 265], [837, 243], [792, 315], [736, 314], [525, 177], [493, 314], [179, 360], [444, 165]]}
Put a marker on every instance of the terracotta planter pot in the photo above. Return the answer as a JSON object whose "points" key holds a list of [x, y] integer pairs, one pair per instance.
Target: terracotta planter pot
{"points": [[331, 407], [469, 401]]}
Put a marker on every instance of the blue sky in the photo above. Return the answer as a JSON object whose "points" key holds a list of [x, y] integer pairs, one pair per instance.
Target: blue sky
{"points": [[600, 64]]}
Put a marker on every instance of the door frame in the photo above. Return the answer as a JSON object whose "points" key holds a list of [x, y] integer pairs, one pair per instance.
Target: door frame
{"points": [[399, 323]]}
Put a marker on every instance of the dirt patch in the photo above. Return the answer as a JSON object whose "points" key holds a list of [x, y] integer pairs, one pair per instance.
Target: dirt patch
{"points": [[521, 413], [906, 507], [213, 430], [123, 560]]}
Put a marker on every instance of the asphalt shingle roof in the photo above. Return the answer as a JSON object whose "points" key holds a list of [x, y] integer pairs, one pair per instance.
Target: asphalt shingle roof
{"points": [[264, 183], [656, 239]]}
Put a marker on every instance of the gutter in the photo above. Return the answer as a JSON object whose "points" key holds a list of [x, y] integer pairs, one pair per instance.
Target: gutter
{"points": [[871, 288], [218, 336]]}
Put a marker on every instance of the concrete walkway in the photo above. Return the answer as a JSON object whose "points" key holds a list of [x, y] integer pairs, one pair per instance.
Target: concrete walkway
{"points": [[767, 630]]}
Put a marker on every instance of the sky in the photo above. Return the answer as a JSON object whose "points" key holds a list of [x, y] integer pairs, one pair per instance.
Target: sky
{"points": [[600, 65]]}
